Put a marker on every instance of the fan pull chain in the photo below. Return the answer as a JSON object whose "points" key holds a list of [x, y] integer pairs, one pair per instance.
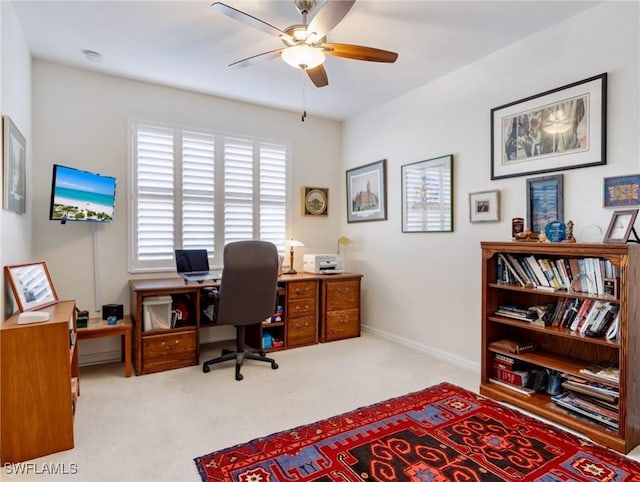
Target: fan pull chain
{"points": [[304, 102]]}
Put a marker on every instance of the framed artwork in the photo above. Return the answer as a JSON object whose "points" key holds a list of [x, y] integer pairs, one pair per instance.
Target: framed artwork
{"points": [[484, 206], [563, 128], [367, 192], [31, 285], [14, 162], [622, 191], [621, 226], [315, 201], [545, 201], [427, 195]]}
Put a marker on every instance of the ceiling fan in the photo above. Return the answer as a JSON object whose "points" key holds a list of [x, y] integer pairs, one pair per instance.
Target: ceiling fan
{"points": [[306, 43]]}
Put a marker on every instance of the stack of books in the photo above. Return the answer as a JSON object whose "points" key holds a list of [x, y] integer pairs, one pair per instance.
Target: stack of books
{"points": [[593, 401], [511, 373]]}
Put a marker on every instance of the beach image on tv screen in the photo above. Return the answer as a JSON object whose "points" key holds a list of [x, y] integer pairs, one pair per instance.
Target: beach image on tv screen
{"points": [[83, 196]]}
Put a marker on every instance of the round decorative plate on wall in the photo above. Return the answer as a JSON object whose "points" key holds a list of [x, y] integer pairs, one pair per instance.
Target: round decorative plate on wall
{"points": [[315, 201]]}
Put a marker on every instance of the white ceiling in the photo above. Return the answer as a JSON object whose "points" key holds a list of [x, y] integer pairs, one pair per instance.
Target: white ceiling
{"points": [[189, 45]]}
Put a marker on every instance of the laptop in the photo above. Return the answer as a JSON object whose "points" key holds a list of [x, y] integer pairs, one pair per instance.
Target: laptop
{"points": [[193, 265]]}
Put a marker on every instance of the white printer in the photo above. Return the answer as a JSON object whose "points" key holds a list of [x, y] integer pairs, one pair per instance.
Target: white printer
{"points": [[322, 263]]}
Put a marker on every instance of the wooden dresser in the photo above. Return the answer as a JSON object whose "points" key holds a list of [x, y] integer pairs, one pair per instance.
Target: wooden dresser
{"points": [[340, 301], [38, 384]]}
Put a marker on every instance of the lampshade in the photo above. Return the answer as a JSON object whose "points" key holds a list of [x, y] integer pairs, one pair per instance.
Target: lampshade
{"points": [[303, 57], [293, 243], [343, 240]]}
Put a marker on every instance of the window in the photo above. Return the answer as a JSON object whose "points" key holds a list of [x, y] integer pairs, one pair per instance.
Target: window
{"points": [[197, 189]]}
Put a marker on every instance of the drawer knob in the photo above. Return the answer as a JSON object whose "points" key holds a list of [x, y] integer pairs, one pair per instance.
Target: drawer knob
{"points": [[344, 319], [306, 325], [300, 309], [343, 291], [302, 290]]}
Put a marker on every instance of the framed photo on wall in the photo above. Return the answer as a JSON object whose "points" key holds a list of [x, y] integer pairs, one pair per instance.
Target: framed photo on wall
{"points": [[315, 201], [14, 162], [427, 195], [622, 191], [563, 128], [545, 201], [484, 206], [367, 192]]}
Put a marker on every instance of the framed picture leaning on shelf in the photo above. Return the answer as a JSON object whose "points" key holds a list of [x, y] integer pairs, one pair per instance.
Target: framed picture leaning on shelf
{"points": [[31, 285], [427, 195], [545, 202], [544, 132], [621, 226], [367, 192]]}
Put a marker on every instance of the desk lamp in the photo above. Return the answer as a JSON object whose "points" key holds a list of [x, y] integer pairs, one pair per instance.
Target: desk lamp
{"points": [[343, 240], [291, 243]]}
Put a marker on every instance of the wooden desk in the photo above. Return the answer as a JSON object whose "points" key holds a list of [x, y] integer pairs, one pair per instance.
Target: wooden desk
{"points": [[98, 328], [303, 308]]}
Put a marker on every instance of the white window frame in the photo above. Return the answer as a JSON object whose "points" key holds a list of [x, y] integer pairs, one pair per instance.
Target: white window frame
{"points": [[168, 265]]}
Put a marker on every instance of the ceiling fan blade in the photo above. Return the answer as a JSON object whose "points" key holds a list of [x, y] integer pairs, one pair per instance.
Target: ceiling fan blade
{"points": [[318, 76], [329, 15], [256, 59], [247, 19], [359, 52]]}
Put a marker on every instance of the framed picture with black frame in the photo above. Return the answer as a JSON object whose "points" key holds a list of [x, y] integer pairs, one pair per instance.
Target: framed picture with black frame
{"points": [[545, 201], [562, 128], [427, 195], [367, 192]]}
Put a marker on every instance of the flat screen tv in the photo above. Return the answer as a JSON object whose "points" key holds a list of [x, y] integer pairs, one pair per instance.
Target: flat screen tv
{"points": [[78, 195]]}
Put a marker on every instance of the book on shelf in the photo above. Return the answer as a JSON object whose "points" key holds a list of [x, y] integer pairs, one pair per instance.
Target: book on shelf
{"points": [[605, 370], [521, 390], [535, 267], [511, 270], [508, 363], [573, 403], [592, 389], [513, 346], [519, 378], [614, 328]]}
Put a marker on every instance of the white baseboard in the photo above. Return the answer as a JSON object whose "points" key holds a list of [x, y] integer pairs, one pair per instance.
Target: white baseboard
{"points": [[100, 357], [427, 350]]}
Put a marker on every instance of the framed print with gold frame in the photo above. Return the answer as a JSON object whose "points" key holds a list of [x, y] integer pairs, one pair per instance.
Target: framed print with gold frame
{"points": [[315, 201]]}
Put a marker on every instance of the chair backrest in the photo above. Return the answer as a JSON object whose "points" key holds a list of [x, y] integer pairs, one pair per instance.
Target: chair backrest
{"points": [[249, 283]]}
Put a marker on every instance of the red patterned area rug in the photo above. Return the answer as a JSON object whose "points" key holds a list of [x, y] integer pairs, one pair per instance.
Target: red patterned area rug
{"points": [[442, 433]]}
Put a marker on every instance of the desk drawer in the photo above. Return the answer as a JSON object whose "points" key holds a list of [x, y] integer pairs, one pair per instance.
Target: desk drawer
{"points": [[301, 331], [342, 324], [169, 350], [301, 289], [341, 295], [296, 308]]}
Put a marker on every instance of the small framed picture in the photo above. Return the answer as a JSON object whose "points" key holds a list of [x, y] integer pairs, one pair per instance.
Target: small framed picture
{"points": [[31, 285], [621, 226], [484, 206], [621, 191], [367, 192], [545, 201], [315, 201]]}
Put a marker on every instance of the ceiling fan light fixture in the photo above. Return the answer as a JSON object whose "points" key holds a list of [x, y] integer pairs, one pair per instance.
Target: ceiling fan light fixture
{"points": [[303, 56]]}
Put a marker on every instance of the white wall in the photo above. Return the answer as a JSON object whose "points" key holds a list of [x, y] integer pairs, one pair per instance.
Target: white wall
{"points": [[424, 289], [80, 120], [15, 95]]}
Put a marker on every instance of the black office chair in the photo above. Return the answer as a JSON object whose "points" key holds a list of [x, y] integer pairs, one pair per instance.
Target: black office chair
{"points": [[247, 296]]}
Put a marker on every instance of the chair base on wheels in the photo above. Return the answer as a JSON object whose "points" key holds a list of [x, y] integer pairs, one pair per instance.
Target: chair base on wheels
{"points": [[242, 353]]}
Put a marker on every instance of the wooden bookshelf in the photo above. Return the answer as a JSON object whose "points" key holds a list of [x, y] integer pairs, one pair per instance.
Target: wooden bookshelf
{"points": [[560, 348], [39, 384]]}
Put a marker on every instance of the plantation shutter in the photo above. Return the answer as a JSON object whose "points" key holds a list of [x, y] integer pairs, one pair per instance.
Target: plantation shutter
{"points": [[194, 189], [154, 178], [198, 201], [273, 193], [428, 198], [238, 190]]}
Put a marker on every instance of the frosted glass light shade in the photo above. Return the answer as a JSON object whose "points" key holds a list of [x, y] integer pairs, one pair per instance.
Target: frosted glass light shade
{"points": [[303, 57]]}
